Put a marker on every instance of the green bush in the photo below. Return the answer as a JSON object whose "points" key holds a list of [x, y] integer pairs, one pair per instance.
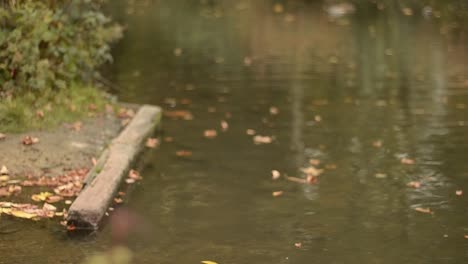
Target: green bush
{"points": [[50, 44]]}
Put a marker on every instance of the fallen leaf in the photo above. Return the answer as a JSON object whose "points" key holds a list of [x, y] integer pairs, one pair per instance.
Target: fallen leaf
{"points": [[121, 193], [277, 193], [381, 175], [414, 184], [465, 236], [312, 171], [129, 180], [210, 133], [68, 202], [377, 144], [4, 178], [208, 262], [314, 162], [2, 136], [459, 192], [125, 113], [4, 170], [133, 174], [168, 139], [407, 161], [250, 132], [54, 199], [152, 142], [312, 179], [14, 189], [331, 166], [278, 8], [424, 210], [258, 139], [77, 126], [224, 125], [183, 153], [29, 140], [177, 52], [298, 244], [317, 118], [274, 110], [4, 192], [40, 113], [41, 196], [179, 114], [118, 200], [49, 207], [296, 179], [21, 214], [275, 174]]}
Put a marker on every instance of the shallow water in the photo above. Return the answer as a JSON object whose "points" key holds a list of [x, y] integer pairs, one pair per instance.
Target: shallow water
{"points": [[340, 86]]}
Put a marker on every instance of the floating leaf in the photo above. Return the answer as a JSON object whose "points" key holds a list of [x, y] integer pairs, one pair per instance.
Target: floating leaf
{"points": [[208, 262], [210, 133], [459, 192], [414, 184], [424, 210], [22, 214], [275, 174], [41, 196], [152, 142], [258, 139], [4, 170], [277, 193]]}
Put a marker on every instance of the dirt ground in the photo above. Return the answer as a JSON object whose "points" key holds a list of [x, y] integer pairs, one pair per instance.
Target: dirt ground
{"points": [[60, 149]]}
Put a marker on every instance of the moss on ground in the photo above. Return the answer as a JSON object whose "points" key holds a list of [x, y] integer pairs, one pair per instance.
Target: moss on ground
{"points": [[51, 108]]}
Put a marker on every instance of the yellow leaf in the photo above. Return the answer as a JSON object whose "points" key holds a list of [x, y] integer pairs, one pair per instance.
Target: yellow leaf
{"points": [[41, 197], [208, 262], [22, 214]]}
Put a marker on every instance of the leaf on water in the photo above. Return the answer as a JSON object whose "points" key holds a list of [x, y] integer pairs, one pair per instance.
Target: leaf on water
{"points": [[381, 175], [49, 207], [208, 262], [414, 184], [459, 192], [29, 140], [224, 125], [258, 139], [277, 193], [465, 236], [407, 161], [314, 162], [133, 174], [152, 142], [4, 170], [298, 245], [424, 210], [118, 200], [274, 110], [183, 153], [168, 139], [4, 192], [312, 171], [179, 114], [377, 144], [129, 180], [68, 202], [4, 178], [41, 196], [177, 52], [275, 174], [210, 133], [250, 132]]}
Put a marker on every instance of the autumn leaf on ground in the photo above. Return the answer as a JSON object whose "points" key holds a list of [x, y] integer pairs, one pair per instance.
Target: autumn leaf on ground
{"points": [[4, 170], [41, 196], [414, 184], [152, 142], [424, 210], [277, 193], [29, 140], [210, 133], [208, 262], [275, 174], [258, 139], [183, 153]]}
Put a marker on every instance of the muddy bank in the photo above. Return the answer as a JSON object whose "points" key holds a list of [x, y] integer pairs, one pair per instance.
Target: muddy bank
{"points": [[66, 147]]}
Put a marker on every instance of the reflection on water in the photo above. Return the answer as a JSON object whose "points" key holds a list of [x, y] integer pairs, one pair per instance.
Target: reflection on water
{"points": [[359, 88]]}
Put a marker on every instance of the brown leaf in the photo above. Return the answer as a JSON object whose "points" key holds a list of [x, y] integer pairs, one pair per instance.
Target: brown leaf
{"points": [[28, 140], [407, 161], [459, 192], [275, 174], [183, 153], [277, 193], [152, 142], [179, 114], [414, 184], [258, 139], [210, 133], [133, 174], [54, 199], [118, 200], [4, 192], [424, 210]]}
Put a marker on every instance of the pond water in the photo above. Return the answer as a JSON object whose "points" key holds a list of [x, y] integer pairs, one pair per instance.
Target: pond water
{"points": [[379, 97]]}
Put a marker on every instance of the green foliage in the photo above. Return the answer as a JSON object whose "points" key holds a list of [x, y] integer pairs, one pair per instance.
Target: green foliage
{"points": [[49, 44]]}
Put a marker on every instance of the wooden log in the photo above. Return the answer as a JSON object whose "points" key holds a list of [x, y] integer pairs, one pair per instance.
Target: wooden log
{"points": [[104, 179]]}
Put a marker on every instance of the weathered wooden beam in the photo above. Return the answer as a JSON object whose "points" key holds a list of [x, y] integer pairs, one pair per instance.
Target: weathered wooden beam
{"points": [[104, 179]]}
